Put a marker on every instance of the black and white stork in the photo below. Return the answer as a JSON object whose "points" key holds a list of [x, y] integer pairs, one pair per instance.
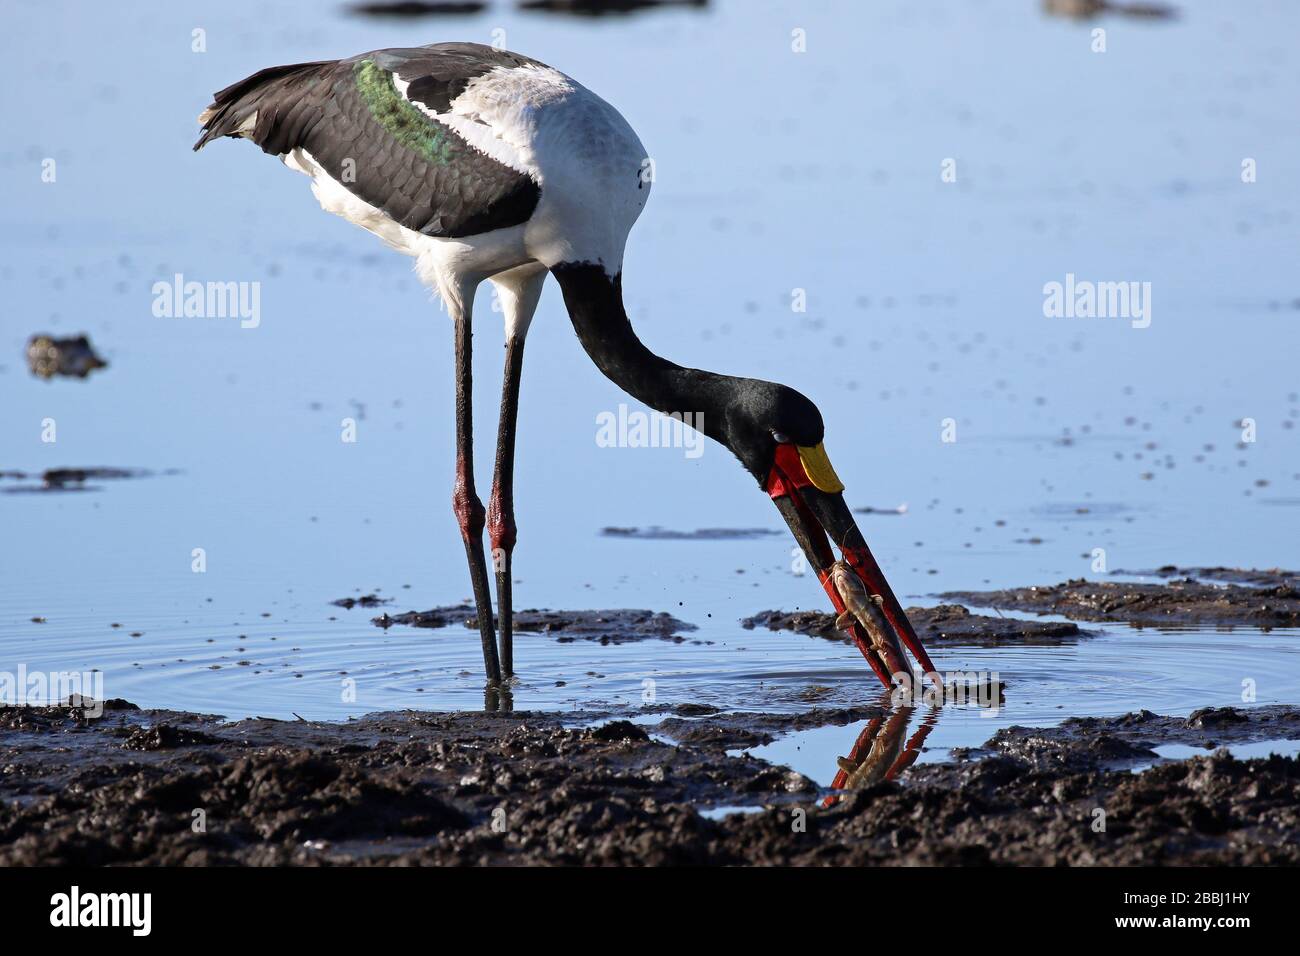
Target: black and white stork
{"points": [[486, 165]]}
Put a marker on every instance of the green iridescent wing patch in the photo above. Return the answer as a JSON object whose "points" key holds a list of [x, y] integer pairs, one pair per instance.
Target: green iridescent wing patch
{"points": [[400, 117]]}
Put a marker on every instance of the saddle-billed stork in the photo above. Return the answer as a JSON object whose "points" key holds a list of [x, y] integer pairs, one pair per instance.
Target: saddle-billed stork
{"points": [[486, 165]]}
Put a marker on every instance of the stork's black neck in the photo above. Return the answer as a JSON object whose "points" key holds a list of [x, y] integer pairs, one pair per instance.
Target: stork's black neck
{"points": [[595, 303], [744, 414]]}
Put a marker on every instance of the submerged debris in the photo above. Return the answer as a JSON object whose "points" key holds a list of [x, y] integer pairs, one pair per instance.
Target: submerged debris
{"points": [[600, 8], [1087, 9], [72, 357], [416, 8], [366, 600], [868, 510], [70, 479], [656, 533]]}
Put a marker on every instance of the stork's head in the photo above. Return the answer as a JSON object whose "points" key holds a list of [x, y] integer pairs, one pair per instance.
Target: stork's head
{"points": [[760, 416], [778, 434]]}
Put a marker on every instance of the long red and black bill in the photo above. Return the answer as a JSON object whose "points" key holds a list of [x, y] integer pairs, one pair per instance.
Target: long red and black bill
{"points": [[808, 493]]}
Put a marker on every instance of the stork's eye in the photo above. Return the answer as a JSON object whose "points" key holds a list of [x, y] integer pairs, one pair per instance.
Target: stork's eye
{"points": [[780, 438]]}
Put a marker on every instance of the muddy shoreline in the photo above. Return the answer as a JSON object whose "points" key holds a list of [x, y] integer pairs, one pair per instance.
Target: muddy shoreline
{"points": [[117, 785], [158, 787]]}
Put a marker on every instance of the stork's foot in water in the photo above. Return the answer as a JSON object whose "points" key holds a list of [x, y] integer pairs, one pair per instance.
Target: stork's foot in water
{"points": [[469, 514], [483, 602]]}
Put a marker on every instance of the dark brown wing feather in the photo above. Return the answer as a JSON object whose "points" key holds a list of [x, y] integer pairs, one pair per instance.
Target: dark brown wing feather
{"points": [[319, 107]]}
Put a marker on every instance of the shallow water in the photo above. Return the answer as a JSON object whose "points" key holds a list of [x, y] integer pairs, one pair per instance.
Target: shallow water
{"points": [[1248, 751], [1168, 671], [816, 171]]}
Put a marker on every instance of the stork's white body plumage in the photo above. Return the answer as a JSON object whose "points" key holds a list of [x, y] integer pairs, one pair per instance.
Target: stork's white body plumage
{"points": [[540, 122]]}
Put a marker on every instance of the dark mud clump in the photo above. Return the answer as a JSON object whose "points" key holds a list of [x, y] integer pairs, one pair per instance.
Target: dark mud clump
{"points": [[621, 626], [950, 623], [73, 357], [525, 788], [1178, 601], [165, 737], [74, 712], [462, 615]]}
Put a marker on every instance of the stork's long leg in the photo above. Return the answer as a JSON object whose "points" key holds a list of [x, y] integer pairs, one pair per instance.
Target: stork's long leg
{"points": [[518, 291], [501, 505], [465, 500]]}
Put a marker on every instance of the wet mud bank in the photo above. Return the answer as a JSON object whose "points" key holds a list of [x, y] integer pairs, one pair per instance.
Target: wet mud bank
{"points": [[1194, 596], [618, 626], [1128, 742], [157, 787], [947, 623]]}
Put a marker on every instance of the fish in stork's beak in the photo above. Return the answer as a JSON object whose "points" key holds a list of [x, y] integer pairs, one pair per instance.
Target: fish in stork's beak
{"points": [[810, 497]]}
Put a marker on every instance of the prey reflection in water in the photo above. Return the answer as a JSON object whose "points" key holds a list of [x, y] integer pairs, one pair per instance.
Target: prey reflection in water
{"points": [[880, 753]]}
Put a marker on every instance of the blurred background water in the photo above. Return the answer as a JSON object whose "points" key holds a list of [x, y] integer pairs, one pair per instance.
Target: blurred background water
{"points": [[776, 171]]}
